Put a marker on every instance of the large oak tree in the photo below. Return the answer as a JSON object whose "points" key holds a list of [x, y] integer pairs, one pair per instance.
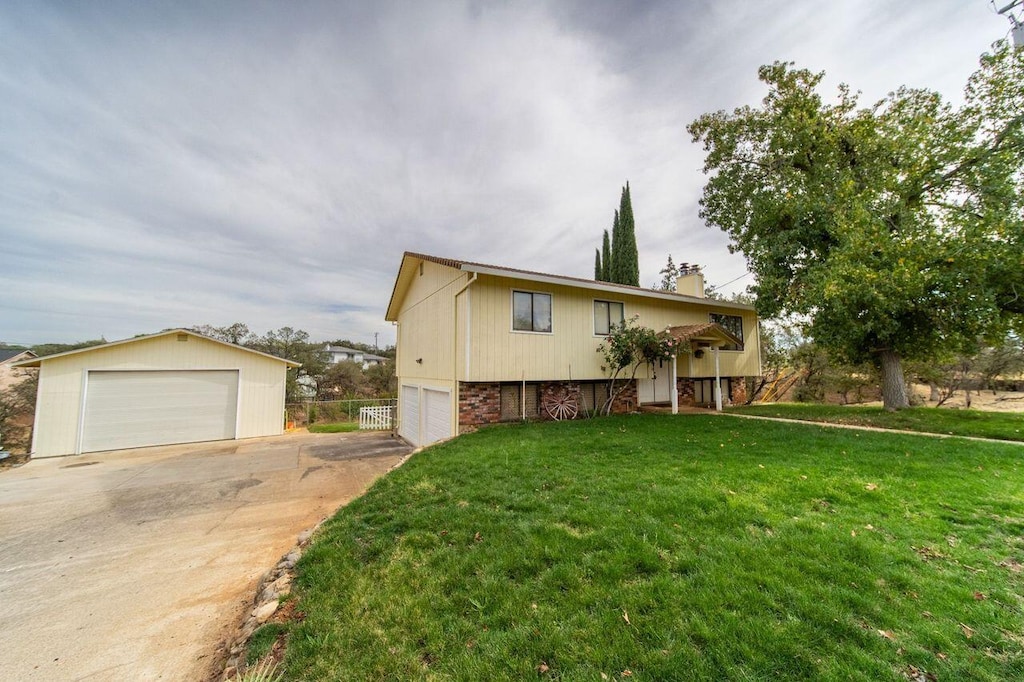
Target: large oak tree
{"points": [[894, 230]]}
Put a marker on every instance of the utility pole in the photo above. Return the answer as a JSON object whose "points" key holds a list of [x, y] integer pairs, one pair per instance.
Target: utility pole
{"points": [[375, 346], [1018, 27]]}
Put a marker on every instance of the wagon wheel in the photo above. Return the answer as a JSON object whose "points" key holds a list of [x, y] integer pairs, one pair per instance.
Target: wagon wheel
{"points": [[565, 406]]}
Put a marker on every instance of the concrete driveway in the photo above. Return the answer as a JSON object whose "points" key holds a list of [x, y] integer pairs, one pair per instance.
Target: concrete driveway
{"points": [[134, 565]]}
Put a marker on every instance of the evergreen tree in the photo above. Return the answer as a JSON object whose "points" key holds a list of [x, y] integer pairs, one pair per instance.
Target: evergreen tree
{"points": [[613, 266], [606, 258], [625, 258], [669, 274], [597, 265]]}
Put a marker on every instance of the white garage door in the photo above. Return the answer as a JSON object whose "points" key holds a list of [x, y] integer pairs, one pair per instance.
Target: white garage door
{"points": [[438, 415], [409, 425], [138, 409]]}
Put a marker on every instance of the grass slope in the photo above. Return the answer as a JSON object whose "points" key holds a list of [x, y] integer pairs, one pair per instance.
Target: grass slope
{"points": [[673, 548], [997, 425]]}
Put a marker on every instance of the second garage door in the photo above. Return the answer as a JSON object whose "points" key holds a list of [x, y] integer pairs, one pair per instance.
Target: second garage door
{"points": [[139, 409], [437, 417]]}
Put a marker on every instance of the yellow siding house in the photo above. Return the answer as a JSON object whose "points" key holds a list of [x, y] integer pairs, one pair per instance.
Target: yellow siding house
{"points": [[480, 344]]}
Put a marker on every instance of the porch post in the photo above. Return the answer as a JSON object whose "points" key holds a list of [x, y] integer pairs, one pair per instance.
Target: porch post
{"points": [[675, 391], [718, 383]]}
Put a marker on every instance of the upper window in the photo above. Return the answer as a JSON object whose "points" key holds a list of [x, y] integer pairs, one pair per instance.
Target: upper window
{"points": [[732, 324], [606, 314], [531, 312]]}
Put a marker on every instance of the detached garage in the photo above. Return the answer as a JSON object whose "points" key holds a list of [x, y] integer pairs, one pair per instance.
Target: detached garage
{"points": [[172, 387]]}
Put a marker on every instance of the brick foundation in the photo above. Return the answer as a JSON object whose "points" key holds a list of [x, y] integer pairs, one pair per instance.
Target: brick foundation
{"points": [[627, 401], [739, 390], [479, 403], [684, 389]]}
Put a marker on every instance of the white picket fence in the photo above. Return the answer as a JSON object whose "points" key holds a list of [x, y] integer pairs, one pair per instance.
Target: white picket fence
{"points": [[375, 418]]}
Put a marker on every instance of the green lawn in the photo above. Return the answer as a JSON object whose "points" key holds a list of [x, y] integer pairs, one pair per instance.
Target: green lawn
{"points": [[653, 547], [998, 425], [333, 427]]}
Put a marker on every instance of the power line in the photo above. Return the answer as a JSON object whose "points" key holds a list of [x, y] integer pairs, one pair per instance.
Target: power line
{"points": [[715, 288]]}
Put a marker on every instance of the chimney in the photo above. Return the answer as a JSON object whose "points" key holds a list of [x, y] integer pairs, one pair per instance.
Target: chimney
{"points": [[690, 281]]}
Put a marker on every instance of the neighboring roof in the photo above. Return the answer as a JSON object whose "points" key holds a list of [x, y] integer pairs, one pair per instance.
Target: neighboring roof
{"points": [[353, 351], [341, 349], [35, 362], [579, 282], [709, 331], [6, 355]]}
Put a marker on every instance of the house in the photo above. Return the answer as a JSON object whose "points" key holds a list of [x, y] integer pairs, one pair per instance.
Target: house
{"points": [[479, 344], [343, 354], [8, 374], [173, 387]]}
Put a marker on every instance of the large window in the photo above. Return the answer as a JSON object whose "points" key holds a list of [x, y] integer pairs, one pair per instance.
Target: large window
{"points": [[606, 314], [732, 324], [531, 312]]}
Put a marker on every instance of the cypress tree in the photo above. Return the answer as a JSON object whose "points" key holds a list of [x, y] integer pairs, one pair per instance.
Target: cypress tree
{"points": [[614, 266], [597, 265], [606, 258], [626, 257]]}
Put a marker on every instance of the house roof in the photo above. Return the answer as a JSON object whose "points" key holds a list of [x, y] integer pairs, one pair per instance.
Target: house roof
{"points": [[331, 348], [36, 362], [6, 355], [408, 258], [709, 331]]}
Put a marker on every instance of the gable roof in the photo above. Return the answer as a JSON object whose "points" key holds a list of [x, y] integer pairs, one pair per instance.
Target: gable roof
{"points": [[6, 354], [36, 362], [410, 258]]}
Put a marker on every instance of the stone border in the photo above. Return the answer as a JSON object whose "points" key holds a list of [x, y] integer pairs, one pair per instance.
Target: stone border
{"points": [[272, 588]]}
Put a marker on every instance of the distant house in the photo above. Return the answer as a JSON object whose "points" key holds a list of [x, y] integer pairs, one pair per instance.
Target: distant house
{"points": [[343, 354], [9, 375], [480, 343]]}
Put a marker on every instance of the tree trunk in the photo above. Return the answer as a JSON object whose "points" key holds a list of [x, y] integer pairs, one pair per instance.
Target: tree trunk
{"points": [[933, 395], [894, 387]]}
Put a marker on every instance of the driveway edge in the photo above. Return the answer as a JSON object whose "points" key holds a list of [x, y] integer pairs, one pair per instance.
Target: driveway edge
{"points": [[273, 587]]}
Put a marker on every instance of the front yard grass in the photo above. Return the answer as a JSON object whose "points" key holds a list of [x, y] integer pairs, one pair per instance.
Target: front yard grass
{"points": [[997, 425], [653, 547], [333, 427]]}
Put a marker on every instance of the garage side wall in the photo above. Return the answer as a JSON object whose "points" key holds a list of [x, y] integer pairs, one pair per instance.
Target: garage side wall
{"points": [[62, 379]]}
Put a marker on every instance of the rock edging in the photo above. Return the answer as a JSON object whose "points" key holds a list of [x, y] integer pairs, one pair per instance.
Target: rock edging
{"points": [[272, 588]]}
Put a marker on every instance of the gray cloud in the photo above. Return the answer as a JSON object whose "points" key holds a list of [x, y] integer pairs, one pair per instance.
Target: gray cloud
{"points": [[188, 163]]}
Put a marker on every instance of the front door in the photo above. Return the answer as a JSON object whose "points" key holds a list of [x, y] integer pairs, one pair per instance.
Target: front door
{"points": [[658, 389]]}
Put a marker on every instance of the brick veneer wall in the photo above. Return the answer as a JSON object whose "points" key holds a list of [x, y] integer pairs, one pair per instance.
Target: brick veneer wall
{"points": [[739, 390], [684, 389], [627, 401], [479, 403]]}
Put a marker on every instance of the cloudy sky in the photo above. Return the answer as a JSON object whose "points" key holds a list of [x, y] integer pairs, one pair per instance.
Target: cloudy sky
{"points": [[180, 163]]}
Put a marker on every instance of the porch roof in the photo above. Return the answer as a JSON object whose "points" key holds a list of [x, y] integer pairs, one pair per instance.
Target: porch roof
{"points": [[711, 332]]}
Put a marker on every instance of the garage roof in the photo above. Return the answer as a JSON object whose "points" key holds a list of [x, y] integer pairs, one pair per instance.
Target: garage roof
{"points": [[35, 362]]}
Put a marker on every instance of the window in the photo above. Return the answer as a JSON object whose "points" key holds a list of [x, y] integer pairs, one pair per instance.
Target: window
{"points": [[732, 324], [606, 314], [531, 312]]}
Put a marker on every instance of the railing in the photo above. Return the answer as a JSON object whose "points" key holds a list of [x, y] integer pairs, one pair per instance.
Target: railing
{"points": [[332, 411], [376, 418]]}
